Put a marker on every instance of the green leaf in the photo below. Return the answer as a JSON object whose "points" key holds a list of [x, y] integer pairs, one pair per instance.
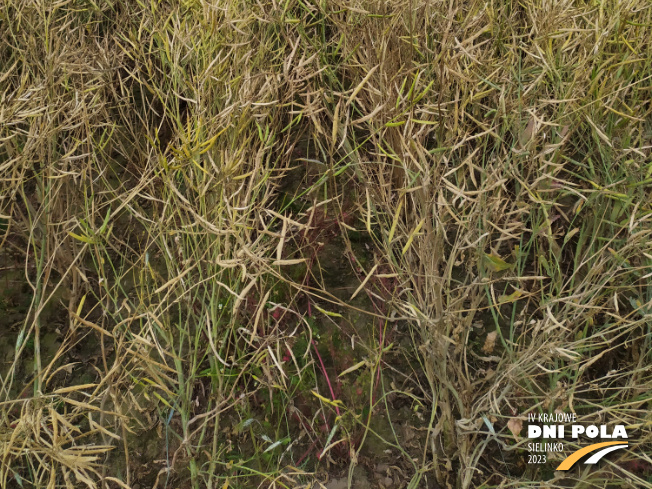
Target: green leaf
{"points": [[514, 296], [328, 313], [83, 239], [496, 263], [106, 221], [275, 444]]}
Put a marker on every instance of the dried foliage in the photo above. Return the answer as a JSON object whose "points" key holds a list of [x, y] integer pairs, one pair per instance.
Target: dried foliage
{"points": [[172, 175]]}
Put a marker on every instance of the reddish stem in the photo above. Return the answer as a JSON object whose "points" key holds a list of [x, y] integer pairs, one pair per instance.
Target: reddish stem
{"points": [[328, 381], [321, 362], [308, 452]]}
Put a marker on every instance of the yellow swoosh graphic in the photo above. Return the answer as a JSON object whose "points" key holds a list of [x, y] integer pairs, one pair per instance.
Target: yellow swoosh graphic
{"points": [[575, 456]]}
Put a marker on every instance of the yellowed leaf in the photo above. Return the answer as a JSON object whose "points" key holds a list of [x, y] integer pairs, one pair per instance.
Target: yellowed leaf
{"points": [[496, 263], [353, 368], [328, 313], [334, 403], [83, 239], [514, 296]]}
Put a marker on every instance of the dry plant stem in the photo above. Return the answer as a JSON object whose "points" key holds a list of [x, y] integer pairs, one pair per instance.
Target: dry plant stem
{"points": [[168, 169]]}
